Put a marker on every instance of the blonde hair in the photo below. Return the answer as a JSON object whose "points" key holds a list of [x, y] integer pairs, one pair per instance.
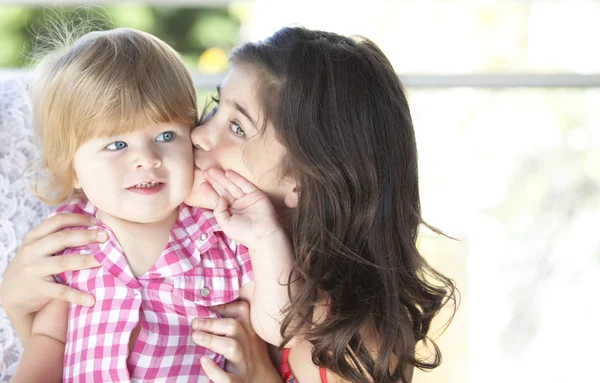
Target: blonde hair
{"points": [[107, 83]]}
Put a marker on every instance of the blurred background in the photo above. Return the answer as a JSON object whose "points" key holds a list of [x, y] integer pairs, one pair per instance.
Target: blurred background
{"points": [[505, 98]]}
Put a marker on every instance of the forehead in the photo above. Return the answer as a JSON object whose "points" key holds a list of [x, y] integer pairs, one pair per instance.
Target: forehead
{"points": [[107, 128], [240, 86]]}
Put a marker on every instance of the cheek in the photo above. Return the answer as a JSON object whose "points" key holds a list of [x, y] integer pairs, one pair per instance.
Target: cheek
{"points": [[96, 175], [183, 167], [265, 165], [264, 158]]}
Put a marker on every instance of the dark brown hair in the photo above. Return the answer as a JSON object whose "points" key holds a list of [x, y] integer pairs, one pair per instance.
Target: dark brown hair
{"points": [[340, 110]]}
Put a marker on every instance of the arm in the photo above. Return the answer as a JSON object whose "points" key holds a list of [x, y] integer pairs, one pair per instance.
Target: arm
{"points": [[43, 355], [248, 217], [271, 262], [28, 285]]}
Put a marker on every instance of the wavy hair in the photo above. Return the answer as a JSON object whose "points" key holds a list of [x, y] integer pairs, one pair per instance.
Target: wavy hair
{"points": [[340, 110]]}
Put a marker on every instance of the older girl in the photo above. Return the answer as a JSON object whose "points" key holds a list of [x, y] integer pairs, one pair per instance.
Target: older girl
{"points": [[327, 115]]}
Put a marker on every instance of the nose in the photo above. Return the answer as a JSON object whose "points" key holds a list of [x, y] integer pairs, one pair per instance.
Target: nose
{"points": [[147, 158], [204, 137]]}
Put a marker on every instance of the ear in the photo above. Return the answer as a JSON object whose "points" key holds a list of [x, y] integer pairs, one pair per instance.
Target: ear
{"points": [[291, 199], [76, 184], [291, 196]]}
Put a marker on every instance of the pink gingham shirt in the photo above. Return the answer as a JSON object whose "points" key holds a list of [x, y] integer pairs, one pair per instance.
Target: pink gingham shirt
{"points": [[200, 267]]}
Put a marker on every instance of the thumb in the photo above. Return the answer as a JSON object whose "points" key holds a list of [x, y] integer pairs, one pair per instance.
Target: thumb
{"points": [[214, 372]]}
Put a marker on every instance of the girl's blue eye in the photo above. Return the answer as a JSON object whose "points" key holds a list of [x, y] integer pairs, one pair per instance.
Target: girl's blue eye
{"points": [[117, 145], [165, 137], [237, 129]]}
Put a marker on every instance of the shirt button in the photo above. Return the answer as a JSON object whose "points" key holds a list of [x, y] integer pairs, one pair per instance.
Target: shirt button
{"points": [[205, 291], [203, 237]]}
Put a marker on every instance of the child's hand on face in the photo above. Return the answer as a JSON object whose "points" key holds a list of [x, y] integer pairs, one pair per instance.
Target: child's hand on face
{"points": [[244, 212]]}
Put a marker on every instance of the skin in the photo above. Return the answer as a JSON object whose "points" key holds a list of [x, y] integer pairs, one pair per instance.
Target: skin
{"points": [[230, 139], [107, 168]]}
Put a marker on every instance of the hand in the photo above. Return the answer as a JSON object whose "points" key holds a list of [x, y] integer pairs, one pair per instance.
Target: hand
{"points": [[233, 337], [28, 283], [244, 212]]}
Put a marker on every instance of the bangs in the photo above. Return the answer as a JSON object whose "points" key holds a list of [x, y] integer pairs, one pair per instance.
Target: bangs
{"points": [[126, 80], [132, 108], [107, 83]]}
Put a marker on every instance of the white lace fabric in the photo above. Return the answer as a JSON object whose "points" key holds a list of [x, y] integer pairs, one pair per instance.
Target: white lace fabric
{"points": [[19, 209]]}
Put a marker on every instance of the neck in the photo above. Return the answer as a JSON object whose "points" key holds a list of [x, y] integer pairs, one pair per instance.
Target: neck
{"points": [[143, 229], [142, 243], [284, 215]]}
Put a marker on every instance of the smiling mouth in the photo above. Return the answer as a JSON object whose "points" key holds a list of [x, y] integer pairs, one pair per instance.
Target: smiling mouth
{"points": [[146, 185]]}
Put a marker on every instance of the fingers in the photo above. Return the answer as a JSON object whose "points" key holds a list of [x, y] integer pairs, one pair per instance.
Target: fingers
{"points": [[223, 326], [224, 182], [56, 223], [215, 373], [217, 186], [240, 311], [209, 192], [69, 294], [230, 348], [242, 183], [248, 200], [58, 241], [67, 262]]}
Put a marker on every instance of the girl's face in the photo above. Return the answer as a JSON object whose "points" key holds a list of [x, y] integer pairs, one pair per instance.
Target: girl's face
{"points": [[230, 139], [142, 176]]}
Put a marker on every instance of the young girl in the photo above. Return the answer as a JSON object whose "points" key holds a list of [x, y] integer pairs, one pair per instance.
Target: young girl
{"points": [[115, 113], [329, 114]]}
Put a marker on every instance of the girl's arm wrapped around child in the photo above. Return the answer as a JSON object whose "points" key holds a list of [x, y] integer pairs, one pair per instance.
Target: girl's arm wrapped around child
{"points": [[44, 350], [247, 216]]}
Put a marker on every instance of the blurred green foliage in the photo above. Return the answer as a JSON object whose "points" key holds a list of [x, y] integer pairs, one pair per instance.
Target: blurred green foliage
{"points": [[190, 31]]}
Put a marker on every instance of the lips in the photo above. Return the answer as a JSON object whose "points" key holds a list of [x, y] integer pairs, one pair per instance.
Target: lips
{"points": [[147, 188], [147, 184]]}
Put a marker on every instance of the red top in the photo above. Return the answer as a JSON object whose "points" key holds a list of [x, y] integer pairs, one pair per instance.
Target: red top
{"points": [[286, 371]]}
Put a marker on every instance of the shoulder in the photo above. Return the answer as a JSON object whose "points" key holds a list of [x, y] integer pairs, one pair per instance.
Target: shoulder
{"points": [[201, 225], [300, 358], [195, 219], [77, 206], [198, 220]]}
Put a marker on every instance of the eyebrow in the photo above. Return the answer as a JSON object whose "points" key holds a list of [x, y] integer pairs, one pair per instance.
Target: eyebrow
{"points": [[239, 108]]}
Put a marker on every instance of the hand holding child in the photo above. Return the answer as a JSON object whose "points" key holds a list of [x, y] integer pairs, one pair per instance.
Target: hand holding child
{"points": [[233, 336]]}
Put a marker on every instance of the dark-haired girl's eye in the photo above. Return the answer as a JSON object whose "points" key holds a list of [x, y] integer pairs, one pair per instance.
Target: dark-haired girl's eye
{"points": [[237, 129]]}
